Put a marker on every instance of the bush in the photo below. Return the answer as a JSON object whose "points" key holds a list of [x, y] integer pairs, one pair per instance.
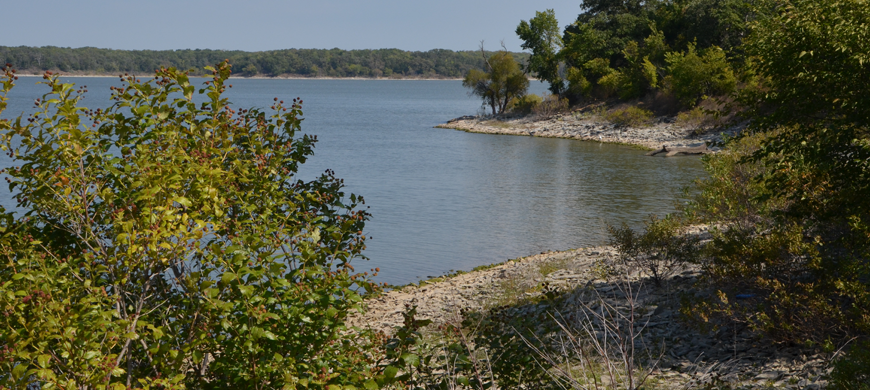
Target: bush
{"points": [[807, 283], [525, 104], [578, 85], [693, 75], [630, 116], [852, 372], [660, 250], [551, 105], [168, 243], [794, 207]]}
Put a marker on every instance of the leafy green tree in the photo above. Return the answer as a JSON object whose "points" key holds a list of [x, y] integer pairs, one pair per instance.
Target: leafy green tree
{"points": [[722, 23], [605, 28], [167, 242], [693, 75], [504, 81], [541, 35]]}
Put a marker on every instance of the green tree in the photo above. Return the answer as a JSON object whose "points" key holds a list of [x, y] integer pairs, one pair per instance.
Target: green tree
{"points": [[541, 35], [503, 82], [166, 241], [693, 75]]}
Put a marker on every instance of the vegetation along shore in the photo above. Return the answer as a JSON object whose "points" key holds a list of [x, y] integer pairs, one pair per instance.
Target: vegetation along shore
{"points": [[531, 299]]}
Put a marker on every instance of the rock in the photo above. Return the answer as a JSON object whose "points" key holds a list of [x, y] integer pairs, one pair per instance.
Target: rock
{"points": [[769, 376]]}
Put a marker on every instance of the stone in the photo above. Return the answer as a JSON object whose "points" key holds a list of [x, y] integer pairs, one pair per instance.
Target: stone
{"points": [[769, 376]]}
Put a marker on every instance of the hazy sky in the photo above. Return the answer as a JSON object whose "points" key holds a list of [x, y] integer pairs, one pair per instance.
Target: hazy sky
{"points": [[256, 25]]}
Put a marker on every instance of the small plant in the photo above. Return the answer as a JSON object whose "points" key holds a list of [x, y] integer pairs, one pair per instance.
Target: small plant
{"points": [[606, 348], [694, 118], [660, 250], [551, 105], [630, 116]]}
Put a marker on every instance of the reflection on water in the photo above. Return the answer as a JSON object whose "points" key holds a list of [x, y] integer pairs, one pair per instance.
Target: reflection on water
{"points": [[447, 200]]}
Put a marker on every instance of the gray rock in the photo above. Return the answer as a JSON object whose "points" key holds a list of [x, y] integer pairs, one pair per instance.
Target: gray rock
{"points": [[769, 376]]}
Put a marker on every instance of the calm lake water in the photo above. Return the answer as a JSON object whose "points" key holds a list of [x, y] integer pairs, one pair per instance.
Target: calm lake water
{"points": [[442, 199]]}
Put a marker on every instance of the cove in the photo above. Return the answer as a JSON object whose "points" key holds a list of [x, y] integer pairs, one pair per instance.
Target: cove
{"points": [[442, 199]]}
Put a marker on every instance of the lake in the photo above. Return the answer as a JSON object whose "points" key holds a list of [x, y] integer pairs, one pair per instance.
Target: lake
{"points": [[441, 199]]}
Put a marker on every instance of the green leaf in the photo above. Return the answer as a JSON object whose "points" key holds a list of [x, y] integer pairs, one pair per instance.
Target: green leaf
{"points": [[43, 360], [411, 359], [183, 201], [370, 385], [18, 371], [228, 277], [390, 372]]}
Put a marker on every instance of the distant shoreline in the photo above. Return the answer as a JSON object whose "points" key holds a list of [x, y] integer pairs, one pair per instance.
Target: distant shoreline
{"points": [[282, 77]]}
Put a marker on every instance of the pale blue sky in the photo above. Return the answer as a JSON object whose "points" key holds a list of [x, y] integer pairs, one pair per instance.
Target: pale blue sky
{"points": [[257, 25]]}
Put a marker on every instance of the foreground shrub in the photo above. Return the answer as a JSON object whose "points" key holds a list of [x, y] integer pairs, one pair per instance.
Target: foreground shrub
{"points": [[474, 350], [852, 372], [631, 116], [660, 250], [167, 242], [801, 283], [794, 232]]}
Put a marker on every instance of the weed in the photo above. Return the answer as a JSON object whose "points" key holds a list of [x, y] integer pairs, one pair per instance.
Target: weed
{"points": [[551, 105], [630, 116]]}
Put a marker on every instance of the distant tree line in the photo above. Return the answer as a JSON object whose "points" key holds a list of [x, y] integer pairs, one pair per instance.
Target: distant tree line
{"points": [[397, 63]]}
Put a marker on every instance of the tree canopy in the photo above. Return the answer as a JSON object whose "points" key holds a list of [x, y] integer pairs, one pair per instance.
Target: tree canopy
{"points": [[503, 82], [618, 47]]}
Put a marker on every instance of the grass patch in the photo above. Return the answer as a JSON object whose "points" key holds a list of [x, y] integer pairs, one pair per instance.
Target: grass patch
{"points": [[513, 290], [552, 266], [694, 118]]}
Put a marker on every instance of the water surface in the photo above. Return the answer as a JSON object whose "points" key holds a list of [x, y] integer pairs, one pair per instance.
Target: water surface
{"points": [[443, 199]]}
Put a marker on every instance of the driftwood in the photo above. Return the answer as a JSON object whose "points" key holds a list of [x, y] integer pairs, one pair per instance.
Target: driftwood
{"points": [[462, 118], [674, 151]]}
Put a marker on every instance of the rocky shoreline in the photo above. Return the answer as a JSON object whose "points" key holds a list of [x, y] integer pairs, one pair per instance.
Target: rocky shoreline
{"points": [[732, 356], [663, 132], [565, 284]]}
